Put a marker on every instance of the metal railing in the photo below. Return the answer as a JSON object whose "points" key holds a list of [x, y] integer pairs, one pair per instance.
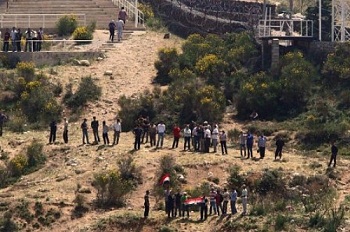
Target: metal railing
{"points": [[132, 10], [35, 20], [285, 28]]}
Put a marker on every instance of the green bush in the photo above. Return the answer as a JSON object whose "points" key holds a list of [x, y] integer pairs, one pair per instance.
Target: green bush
{"points": [[17, 165], [168, 60], [82, 33], [66, 25], [271, 181], [280, 222], [111, 188], [7, 224], [235, 179], [26, 70], [199, 191], [35, 155], [87, 91], [128, 170]]}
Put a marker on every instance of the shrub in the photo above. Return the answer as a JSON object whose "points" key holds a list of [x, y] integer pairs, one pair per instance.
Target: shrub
{"points": [[111, 188], [271, 181], [235, 180], [26, 70], [198, 191], [147, 11], [168, 60], [66, 25], [82, 33], [280, 222], [128, 170], [35, 155], [87, 91], [7, 224], [17, 165], [16, 123], [4, 175], [80, 206]]}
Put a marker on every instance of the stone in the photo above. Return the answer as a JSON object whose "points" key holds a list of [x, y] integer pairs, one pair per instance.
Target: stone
{"points": [[79, 171], [108, 73], [99, 58], [61, 178], [76, 62], [84, 63], [84, 190]]}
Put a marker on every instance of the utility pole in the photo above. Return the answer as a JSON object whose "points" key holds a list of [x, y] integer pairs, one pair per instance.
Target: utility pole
{"points": [[320, 20]]}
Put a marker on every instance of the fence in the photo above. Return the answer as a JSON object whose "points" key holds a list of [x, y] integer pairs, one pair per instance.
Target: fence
{"points": [[35, 20], [132, 10]]}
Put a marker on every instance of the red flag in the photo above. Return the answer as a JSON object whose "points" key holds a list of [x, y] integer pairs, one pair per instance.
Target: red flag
{"points": [[165, 178], [194, 201]]}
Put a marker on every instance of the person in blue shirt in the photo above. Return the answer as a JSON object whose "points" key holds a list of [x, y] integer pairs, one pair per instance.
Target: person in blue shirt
{"points": [[250, 142]]}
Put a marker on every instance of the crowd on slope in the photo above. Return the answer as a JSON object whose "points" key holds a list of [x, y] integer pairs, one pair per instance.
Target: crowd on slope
{"points": [[33, 40]]}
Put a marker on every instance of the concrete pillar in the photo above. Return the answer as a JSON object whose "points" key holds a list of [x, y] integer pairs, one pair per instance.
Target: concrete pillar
{"points": [[275, 55]]}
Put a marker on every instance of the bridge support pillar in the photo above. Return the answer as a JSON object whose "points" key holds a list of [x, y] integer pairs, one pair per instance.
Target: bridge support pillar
{"points": [[275, 55]]}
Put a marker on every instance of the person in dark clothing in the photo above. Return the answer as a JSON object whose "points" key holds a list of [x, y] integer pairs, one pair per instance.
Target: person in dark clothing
{"points": [[250, 142], [279, 147], [29, 40], [334, 151], [170, 205], [111, 27], [177, 203], [94, 126], [105, 130], [53, 130], [204, 208], [146, 204], [3, 118], [138, 133], [18, 40], [40, 37], [7, 36], [145, 127], [84, 129]]}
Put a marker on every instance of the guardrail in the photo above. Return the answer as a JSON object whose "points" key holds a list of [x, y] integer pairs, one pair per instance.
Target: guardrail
{"points": [[37, 20], [132, 10], [285, 27]]}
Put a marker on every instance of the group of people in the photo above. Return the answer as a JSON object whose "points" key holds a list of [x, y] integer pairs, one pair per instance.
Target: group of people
{"points": [[216, 203], [117, 25], [33, 40]]}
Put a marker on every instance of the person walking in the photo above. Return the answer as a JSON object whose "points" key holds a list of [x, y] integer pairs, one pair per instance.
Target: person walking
{"points": [[242, 144], [122, 14], [65, 130], [279, 147], [94, 126], [244, 197], [250, 142], [233, 198], [84, 129], [120, 28], [223, 139], [111, 27], [53, 130], [138, 133], [334, 151], [161, 133], [117, 127], [105, 130], [187, 137], [262, 145], [146, 205], [3, 118], [214, 137], [176, 134]]}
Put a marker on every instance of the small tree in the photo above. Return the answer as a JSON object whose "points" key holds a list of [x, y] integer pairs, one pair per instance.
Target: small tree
{"points": [[66, 25]]}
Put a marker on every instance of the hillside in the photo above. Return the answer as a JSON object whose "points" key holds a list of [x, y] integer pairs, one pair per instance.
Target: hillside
{"points": [[49, 193]]}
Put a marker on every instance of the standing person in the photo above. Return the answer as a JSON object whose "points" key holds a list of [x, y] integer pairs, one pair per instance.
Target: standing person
{"points": [[120, 28], [122, 15], [117, 127], [40, 37], [18, 40], [242, 144], [184, 207], [138, 133], [146, 204], [94, 126], [219, 199], [53, 130], [7, 36], [223, 139], [207, 137], [212, 196], [262, 145], [250, 142], [145, 127], [65, 130], [187, 137], [176, 134], [3, 118], [178, 203], [204, 208], [111, 27], [214, 137], [226, 196], [29, 40], [244, 199], [233, 199], [13, 39], [105, 130], [195, 143], [170, 205], [161, 132], [334, 151], [84, 129], [152, 134], [279, 147]]}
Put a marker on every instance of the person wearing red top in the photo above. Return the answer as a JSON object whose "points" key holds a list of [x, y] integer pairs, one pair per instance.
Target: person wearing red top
{"points": [[176, 134], [7, 35], [219, 199]]}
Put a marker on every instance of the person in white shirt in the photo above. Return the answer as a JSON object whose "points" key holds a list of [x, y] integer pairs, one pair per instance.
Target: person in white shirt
{"points": [[244, 197], [223, 139], [262, 145], [207, 137], [160, 132], [105, 130], [13, 39], [187, 137], [117, 127], [65, 130], [242, 143], [214, 137]]}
